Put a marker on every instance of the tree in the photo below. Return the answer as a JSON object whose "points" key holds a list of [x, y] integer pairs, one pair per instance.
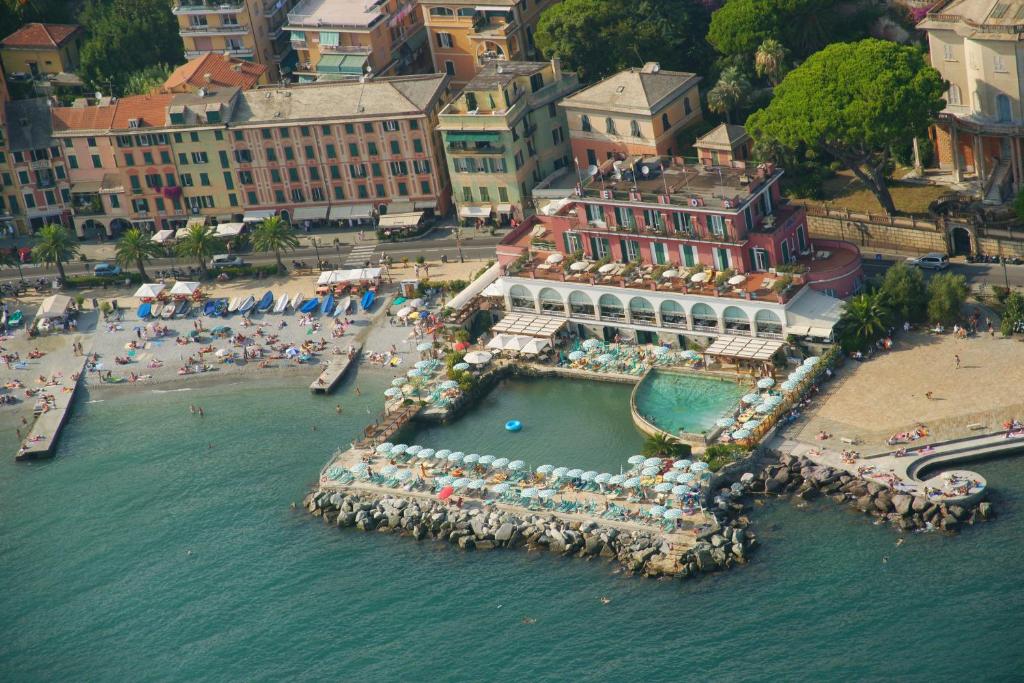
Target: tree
{"points": [[126, 36], [664, 446], [11, 259], [597, 38], [863, 322], [855, 101], [947, 293], [1018, 206], [55, 246], [199, 243], [1013, 313], [136, 248], [729, 93], [904, 293], [273, 234], [769, 60], [145, 81]]}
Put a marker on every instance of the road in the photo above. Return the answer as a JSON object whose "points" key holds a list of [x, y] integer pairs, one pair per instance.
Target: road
{"points": [[975, 273]]}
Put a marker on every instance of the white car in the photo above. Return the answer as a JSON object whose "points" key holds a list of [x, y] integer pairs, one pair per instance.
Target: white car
{"points": [[226, 261], [934, 261]]}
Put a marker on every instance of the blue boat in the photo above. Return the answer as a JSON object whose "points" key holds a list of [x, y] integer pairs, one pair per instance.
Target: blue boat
{"points": [[265, 303], [367, 301], [327, 305], [144, 310], [210, 307], [309, 305]]}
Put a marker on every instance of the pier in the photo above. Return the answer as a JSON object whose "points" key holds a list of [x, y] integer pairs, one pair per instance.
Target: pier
{"points": [[335, 370], [41, 441]]}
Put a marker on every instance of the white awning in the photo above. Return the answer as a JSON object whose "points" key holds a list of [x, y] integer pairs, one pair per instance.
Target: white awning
{"points": [[474, 211], [529, 325], [812, 313], [334, 277], [310, 213], [475, 287], [400, 220], [257, 216], [54, 306], [399, 206], [163, 236], [494, 289], [362, 211], [150, 290], [180, 232], [430, 205], [195, 220], [744, 348], [340, 212], [492, 8], [504, 208], [230, 229], [184, 288]]}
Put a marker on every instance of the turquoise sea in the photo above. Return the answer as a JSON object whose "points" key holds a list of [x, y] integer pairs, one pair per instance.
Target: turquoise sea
{"points": [[98, 583]]}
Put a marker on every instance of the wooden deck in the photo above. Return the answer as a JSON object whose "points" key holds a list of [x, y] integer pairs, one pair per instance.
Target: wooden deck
{"points": [[335, 370], [47, 427]]}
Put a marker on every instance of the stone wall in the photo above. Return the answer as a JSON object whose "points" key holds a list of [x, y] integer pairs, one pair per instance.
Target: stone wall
{"points": [[993, 246], [862, 230]]}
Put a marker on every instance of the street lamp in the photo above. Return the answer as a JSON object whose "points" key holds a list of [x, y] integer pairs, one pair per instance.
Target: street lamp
{"points": [[317, 250], [458, 242]]}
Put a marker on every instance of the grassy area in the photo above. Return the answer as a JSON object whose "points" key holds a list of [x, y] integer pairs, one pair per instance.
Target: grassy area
{"points": [[844, 191]]}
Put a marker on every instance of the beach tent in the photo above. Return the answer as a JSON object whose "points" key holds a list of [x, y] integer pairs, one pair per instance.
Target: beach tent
{"points": [[230, 229], [150, 290], [184, 288], [162, 236], [535, 346], [55, 306]]}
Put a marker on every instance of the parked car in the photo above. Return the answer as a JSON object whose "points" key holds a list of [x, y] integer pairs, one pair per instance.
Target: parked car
{"points": [[226, 261], [106, 270], [934, 261]]}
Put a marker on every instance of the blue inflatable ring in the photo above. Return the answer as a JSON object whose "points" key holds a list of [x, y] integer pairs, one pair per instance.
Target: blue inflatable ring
{"points": [[513, 425]]}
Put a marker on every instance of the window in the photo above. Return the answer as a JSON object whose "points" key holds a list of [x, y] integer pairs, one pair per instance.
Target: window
{"points": [[423, 166], [367, 127], [23, 177], [147, 158], [73, 162], [297, 195], [398, 168], [609, 126], [265, 133], [444, 40], [375, 169], [441, 12], [664, 122], [223, 159], [998, 65], [279, 196], [467, 194], [689, 255], [403, 189], [371, 148], [229, 182], [357, 170], [170, 179], [449, 67], [134, 181], [595, 214], [379, 188], [634, 129], [243, 156], [414, 124], [219, 135], [591, 157], [335, 172], [417, 146], [332, 153], [389, 125], [309, 152], [271, 154], [325, 130], [653, 219], [717, 225], [140, 206], [182, 159], [165, 157], [115, 203], [194, 136], [239, 136], [630, 250], [200, 158], [275, 175], [585, 123], [624, 217], [659, 254], [253, 201], [948, 54], [339, 193], [485, 194], [682, 222], [289, 154], [361, 190], [953, 96], [285, 133], [293, 175], [350, 128], [245, 177], [425, 187], [186, 180], [353, 149], [316, 194], [304, 131], [395, 147], [204, 179], [153, 180], [314, 173], [233, 199]]}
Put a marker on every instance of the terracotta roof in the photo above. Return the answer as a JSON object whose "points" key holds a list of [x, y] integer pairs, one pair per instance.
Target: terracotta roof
{"points": [[41, 35], [224, 71], [151, 110], [636, 91], [725, 136], [83, 118]]}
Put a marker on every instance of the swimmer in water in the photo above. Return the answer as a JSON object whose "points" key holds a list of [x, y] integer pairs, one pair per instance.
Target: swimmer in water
{"points": [[337, 409], [885, 559], [605, 600], [900, 541], [192, 409], [529, 620]]}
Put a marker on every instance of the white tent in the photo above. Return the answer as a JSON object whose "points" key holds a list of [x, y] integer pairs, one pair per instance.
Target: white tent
{"points": [[184, 288], [163, 236], [230, 229], [333, 277], [498, 342], [520, 343], [54, 306], [535, 346], [149, 290]]}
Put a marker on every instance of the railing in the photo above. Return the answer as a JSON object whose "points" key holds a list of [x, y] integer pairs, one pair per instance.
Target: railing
{"points": [[667, 321], [345, 49], [582, 314], [705, 328], [523, 308], [552, 308], [611, 314], [224, 29], [643, 318], [769, 335], [486, 149], [213, 7]]}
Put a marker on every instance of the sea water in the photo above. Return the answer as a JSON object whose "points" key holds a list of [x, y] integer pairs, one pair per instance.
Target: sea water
{"points": [[163, 546]]}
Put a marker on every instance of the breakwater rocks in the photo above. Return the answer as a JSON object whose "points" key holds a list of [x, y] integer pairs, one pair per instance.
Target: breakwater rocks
{"points": [[649, 553], [804, 479]]}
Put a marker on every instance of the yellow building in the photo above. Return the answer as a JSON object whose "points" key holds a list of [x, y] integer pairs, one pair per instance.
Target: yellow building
{"points": [[252, 30], [466, 35], [338, 38], [42, 49]]}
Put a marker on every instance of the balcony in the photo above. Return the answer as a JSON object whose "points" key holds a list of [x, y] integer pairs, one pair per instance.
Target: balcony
{"points": [[87, 205], [185, 7], [222, 30], [483, 149], [273, 7], [345, 49]]}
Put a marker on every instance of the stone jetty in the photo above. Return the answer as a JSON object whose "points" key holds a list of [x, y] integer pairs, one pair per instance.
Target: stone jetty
{"points": [[642, 551]]}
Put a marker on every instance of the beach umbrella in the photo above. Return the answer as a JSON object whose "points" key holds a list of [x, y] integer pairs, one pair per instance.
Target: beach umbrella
{"points": [[699, 466], [425, 454], [725, 422], [486, 459], [358, 467], [764, 408], [403, 475], [686, 477], [616, 480], [811, 362], [670, 273], [765, 383], [789, 385], [499, 463], [690, 354], [446, 493], [603, 478], [660, 350], [399, 449], [442, 454], [448, 384], [528, 492], [414, 373], [385, 447], [554, 258], [546, 493], [545, 469], [590, 344], [574, 474], [632, 483], [773, 400], [478, 357], [422, 364], [389, 470], [424, 346], [681, 490], [397, 382], [471, 458], [576, 355], [457, 456], [750, 424], [750, 399], [477, 484], [605, 358], [460, 366], [589, 475], [653, 462], [663, 487], [413, 449], [656, 510], [650, 471], [404, 312], [741, 434], [517, 465], [445, 480], [461, 482], [670, 475], [673, 513], [802, 371], [393, 392], [560, 472], [636, 459], [501, 488], [682, 464]]}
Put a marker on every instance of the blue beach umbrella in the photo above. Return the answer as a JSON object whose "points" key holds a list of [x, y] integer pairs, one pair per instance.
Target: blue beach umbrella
{"points": [[424, 346], [590, 344], [471, 458], [425, 453], [652, 462], [636, 459], [663, 487], [358, 467], [765, 383], [422, 364], [398, 449], [632, 483], [414, 373], [574, 473], [442, 454], [589, 475], [456, 456], [413, 449], [486, 459], [460, 366], [725, 422], [656, 510], [811, 362], [448, 384], [673, 513], [789, 385], [751, 399], [686, 477], [477, 484], [559, 472], [670, 475], [616, 480], [461, 483], [397, 382], [681, 490], [403, 475], [764, 408], [741, 434], [699, 466], [576, 355], [517, 465], [528, 492], [546, 493], [385, 447], [545, 469], [603, 478], [501, 488], [605, 358], [445, 480], [393, 392], [499, 463], [682, 464], [650, 471], [802, 371], [389, 470]]}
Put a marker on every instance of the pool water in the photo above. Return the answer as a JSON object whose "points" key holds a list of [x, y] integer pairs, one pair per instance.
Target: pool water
{"points": [[678, 402], [568, 422]]}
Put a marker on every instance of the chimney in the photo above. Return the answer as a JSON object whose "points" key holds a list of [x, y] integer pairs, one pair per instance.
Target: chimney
{"points": [[556, 67], [651, 68], [208, 78]]}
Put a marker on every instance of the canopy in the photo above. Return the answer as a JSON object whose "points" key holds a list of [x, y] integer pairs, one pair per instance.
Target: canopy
{"points": [[230, 229], [350, 212], [195, 220], [162, 236], [474, 211], [150, 290], [400, 220], [54, 306], [534, 346], [310, 213], [256, 216], [813, 314], [334, 277], [478, 357], [477, 287], [539, 326], [744, 348], [185, 288]]}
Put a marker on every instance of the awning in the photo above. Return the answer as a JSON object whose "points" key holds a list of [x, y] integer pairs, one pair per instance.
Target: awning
{"points": [[743, 348], [163, 236], [257, 216], [492, 8], [400, 206], [112, 183], [362, 211], [142, 221], [195, 220], [348, 64], [475, 287], [180, 232], [310, 213], [528, 324], [334, 277], [230, 229], [54, 306], [184, 288], [471, 136], [811, 310], [150, 290], [340, 213], [400, 220], [475, 211], [425, 206], [86, 187], [504, 208]]}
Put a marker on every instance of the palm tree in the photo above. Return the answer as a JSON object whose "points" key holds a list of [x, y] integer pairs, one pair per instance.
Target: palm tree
{"points": [[12, 260], [273, 234], [863, 321], [136, 248], [769, 60], [55, 246], [664, 446], [199, 243], [729, 93]]}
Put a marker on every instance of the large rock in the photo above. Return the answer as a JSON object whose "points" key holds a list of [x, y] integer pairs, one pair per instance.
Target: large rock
{"points": [[504, 533], [985, 510], [479, 526], [772, 486], [467, 542], [485, 545], [641, 556], [883, 502], [902, 503], [865, 503], [920, 504]]}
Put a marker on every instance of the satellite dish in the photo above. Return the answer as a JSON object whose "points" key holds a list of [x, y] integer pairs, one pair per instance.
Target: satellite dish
{"points": [[592, 170], [645, 170]]}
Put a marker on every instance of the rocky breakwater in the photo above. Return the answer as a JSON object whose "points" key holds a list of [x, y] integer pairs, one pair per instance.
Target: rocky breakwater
{"points": [[649, 553], [806, 480]]}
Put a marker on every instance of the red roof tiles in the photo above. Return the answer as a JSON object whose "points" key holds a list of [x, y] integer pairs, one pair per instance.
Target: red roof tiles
{"points": [[41, 35], [223, 71]]}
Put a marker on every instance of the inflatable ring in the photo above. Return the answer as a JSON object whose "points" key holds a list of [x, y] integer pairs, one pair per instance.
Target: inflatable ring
{"points": [[513, 425]]}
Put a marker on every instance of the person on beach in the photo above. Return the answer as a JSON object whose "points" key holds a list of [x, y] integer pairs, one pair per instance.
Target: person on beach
{"points": [[956, 359]]}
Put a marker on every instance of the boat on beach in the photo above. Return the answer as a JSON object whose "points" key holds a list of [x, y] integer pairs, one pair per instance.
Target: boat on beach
{"points": [[247, 304], [182, 308], [342, 306], [235, 303], [143, 312], [265, 302], [309, 306], [15, 318], [282, 303], [328, 305], [167, 312], [296, 302], [367, 301]]}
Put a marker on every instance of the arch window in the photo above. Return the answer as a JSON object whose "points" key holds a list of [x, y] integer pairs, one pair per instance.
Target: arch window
{"points": [[953, 96], [641, 311], [580, 305], [634, 129], [521, 298], [768, 324], [551, 301], [611, 308], [673, 314], [704, 318], [585, 123], [664, 122], [736, 320], [609, 126], [441, 12]]}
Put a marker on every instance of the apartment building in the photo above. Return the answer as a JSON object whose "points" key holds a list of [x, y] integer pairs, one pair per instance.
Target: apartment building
{"points": [[351, 38], [214, 70], [252, 30], [38, 164], [40, 50], [464, 36], [503, 134], [10, 209], [638, 111]]}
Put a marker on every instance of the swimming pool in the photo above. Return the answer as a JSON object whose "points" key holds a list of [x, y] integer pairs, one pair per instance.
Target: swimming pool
{"points": [[678, 402]]}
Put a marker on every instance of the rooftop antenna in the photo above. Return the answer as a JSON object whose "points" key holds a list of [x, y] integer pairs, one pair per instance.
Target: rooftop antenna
{"points": [[362, 83]]}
